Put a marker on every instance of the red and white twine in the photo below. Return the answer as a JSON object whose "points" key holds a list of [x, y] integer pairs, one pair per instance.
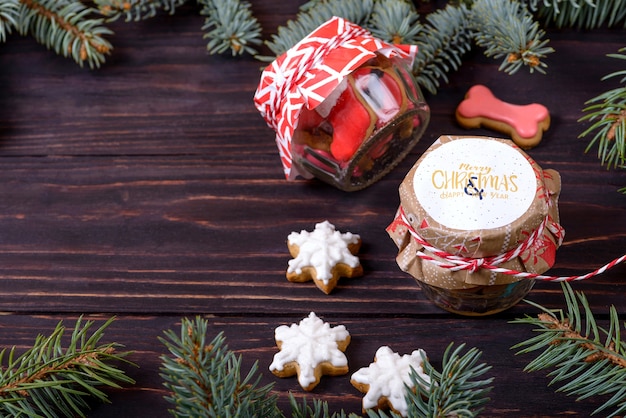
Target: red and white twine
{"points": [[454, 262]]}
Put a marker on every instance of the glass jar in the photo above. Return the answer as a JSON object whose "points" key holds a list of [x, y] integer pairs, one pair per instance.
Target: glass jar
{"points": [[365, 127], [478, 220], [479, 300], [344, 105]]}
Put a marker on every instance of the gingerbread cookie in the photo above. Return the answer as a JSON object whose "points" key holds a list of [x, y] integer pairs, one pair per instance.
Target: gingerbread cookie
{"points": [[310, 349], [323, 256], [525, 124], [384, 381]]}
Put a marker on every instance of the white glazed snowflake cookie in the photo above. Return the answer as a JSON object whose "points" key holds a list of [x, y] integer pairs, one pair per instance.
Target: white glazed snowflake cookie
{"points": [[384, 382], [323, 256], [310, 349]]}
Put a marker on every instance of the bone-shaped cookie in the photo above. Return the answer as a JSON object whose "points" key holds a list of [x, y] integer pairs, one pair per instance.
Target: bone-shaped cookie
{"points": [[525, 124]]}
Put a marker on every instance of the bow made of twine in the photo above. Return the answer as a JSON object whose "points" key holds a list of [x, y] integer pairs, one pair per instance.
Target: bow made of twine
{"points": [[457, 263]]}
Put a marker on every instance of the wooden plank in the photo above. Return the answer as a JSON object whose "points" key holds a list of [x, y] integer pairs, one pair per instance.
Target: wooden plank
{"points": [[102, 232]]}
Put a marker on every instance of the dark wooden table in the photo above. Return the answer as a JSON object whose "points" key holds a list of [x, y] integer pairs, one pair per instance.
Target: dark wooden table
{"points": [[151, 189]]}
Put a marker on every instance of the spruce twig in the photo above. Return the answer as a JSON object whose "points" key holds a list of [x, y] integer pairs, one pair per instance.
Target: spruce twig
{"points": [[9, 14], [205, 377], [456, 391], [136, 10], [311, 15], [395, 21], [588, 360], [52, 381], [205, 380], [519, 41], [230, 25], [319, 409], [587, 14], [443, 42], [607, 113], [67, 27]]}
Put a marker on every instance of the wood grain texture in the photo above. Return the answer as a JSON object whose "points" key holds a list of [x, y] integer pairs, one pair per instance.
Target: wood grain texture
{"points": [[152, 189]]}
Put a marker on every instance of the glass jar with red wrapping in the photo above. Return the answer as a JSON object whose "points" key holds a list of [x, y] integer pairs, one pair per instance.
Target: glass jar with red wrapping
{"points": [[364, 128], [345, 106]]}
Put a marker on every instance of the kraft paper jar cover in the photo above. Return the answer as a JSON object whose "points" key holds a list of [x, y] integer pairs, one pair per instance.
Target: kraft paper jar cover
{"points": [[476, 198]]}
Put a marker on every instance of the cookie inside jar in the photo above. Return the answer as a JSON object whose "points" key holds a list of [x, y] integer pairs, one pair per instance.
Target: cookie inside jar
{"points": [[369, 122]]}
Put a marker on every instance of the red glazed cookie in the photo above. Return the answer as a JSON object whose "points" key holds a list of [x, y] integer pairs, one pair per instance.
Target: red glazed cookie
{"points": [[525, 124]]}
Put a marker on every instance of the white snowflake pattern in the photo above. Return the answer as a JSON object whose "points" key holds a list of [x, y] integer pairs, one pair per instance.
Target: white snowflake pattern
{"points": [[322, 249], [387, 377], [310, 343]]}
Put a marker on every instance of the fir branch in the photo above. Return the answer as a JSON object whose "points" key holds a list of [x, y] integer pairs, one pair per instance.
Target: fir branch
{"points": [[205, 380], [456, 391], [312, 15], [136, 9], [395, 21], [442, 44], [9, 12], [581, 14], [318, 410], [230, 25], [587, 359], [66, 26], [48, 380], [519, 41], [205, 377], [607, 113]]}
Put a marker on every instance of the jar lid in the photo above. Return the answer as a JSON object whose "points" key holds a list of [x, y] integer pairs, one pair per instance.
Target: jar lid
{"points": [[474, 197], [308, 73]]}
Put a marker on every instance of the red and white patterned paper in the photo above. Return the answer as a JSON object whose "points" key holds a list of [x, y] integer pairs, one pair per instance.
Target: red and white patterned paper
{"points": [[308, 72]]}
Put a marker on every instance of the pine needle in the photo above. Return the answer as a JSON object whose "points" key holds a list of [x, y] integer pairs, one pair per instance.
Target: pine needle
{"points": [[395, 21], [230, 26], [311, 15], [519, 42], [607, 115], [67, 27], [587, 14], [135, 10], [52, 381], [205, 380], [456, 391], [585, 359], [442, 43], [9, 12]]}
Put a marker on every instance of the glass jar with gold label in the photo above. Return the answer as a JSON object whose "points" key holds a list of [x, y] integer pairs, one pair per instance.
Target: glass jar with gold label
{"points": [[476, 214]]}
